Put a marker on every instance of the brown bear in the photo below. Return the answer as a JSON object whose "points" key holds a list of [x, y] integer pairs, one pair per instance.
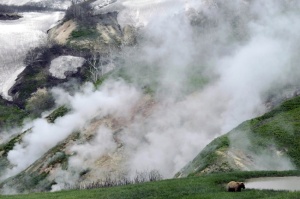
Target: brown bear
{"points": [[234, 186]]}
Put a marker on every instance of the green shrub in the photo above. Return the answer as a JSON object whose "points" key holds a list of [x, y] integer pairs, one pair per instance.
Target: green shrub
{"points": [[83, 33], [10, 145], [59, 112], [57, 158], [39, 102], [11, 116]]}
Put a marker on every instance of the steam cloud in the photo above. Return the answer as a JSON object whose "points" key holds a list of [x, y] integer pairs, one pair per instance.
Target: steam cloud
{"points": [[245, 51], [114, 98]]}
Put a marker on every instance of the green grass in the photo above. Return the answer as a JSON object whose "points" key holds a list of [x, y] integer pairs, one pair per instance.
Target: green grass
{"points": [[6, 147], [83, 39], [282, 125], [59, 112], [10, 115], [277, 130], [84, 33], [207, 157], [210, 186]]}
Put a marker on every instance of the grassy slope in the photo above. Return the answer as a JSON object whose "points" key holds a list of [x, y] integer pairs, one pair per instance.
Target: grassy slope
{"points": [[279, 127], [210, 186]]}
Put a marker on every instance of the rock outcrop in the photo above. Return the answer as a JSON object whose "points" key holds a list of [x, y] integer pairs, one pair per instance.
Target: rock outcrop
{"points": [[4, 16]]}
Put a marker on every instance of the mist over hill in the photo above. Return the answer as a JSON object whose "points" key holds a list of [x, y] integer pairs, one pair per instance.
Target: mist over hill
{"points": [[194, 71]]}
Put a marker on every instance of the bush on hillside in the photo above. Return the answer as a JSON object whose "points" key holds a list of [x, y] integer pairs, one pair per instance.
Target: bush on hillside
{"points": [[39, 102]]}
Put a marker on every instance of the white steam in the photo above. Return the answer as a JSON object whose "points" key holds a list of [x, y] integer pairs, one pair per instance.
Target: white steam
{"points": [[246, 155], [88, 153], [84, 157], [113, 98], [240, 44]]}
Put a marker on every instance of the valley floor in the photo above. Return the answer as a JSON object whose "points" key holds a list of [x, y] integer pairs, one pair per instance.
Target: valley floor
{"points": [[210, 186]]}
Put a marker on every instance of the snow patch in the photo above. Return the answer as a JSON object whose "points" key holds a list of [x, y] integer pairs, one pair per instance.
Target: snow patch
{"points": [[16, 38], [9, 83], [63, 64]]}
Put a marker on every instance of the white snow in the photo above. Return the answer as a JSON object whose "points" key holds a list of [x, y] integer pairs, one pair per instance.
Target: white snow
{"points": [[16, 38], [10, 82], [64, 64]]}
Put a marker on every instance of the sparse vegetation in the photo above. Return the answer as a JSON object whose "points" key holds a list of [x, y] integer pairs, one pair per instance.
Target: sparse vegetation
{"points": [[6, 147], [57, 158]]}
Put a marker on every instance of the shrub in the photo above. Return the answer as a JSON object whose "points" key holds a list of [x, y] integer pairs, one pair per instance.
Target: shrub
{"points": [[61, 111], [10, 115], [39, 102], [80, 12], [83, 33]]}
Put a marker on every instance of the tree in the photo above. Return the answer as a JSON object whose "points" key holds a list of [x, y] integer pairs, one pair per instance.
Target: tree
{"points": [[98, 64], [78, 10], [94, 66]]}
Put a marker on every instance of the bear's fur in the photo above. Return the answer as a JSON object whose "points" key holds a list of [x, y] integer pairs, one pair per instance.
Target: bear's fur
{"points": [[234, 186]]}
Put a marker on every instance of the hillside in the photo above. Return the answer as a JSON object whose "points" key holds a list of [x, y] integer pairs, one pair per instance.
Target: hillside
{"points": [[269, 142]]}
